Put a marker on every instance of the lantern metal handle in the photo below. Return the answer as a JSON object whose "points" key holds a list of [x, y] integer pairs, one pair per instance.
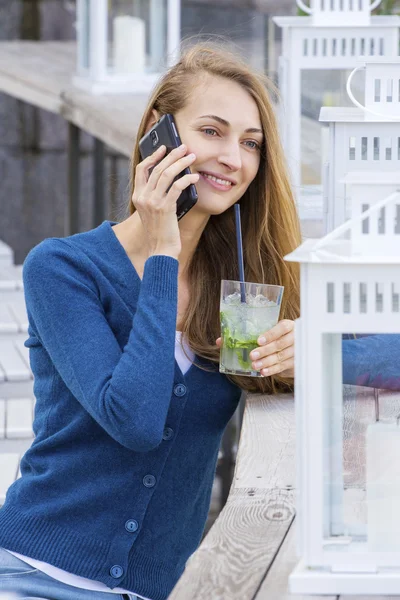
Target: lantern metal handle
{"points": [[309, 11], [357, 103], [304, 7]]}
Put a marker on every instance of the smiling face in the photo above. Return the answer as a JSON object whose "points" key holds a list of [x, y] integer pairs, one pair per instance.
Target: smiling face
{"points": [[221, 125]]}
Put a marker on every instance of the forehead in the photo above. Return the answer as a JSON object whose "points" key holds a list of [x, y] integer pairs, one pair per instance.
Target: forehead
{"points": [[225, 98]]}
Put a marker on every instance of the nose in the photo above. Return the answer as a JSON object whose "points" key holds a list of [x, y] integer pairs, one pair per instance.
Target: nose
{"points": [[230, 156]]}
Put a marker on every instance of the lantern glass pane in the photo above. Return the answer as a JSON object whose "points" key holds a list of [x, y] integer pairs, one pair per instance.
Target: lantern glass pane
{"points": [[361, 493], [137, 36]]}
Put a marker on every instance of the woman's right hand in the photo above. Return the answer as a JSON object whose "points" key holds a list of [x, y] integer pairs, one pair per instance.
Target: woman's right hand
{"points": [[156, 206]]}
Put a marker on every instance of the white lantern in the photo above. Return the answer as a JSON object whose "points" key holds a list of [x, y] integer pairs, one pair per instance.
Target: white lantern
{"points": [[362, 139], [347, 513], [124, 45], [337, 36]]}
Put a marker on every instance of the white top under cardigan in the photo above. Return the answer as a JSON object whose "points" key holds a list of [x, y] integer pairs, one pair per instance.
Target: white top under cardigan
{"points": [[84, 582]]}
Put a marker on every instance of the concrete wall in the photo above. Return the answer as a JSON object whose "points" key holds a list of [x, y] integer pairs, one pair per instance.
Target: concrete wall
{"points": [[33, 142]]}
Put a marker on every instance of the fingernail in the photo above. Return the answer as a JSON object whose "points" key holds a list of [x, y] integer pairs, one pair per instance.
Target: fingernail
{"points": [[258, 364], [192, 155], [255, 355], [262, 340], [182, 147]]}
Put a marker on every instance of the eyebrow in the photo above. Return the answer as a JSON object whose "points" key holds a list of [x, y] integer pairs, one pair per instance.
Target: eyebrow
{"points": [[227, 124]]}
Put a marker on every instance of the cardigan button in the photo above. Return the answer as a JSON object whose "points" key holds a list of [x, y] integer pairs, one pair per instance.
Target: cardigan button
{"points": [[180, 389], [149, 481], [168, 433], [131, 525], [116, 571]]}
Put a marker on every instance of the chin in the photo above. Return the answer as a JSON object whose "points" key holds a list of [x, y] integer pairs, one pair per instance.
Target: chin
{"points": [[213, 205]]}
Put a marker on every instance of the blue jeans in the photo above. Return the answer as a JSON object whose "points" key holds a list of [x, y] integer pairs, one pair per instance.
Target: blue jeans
{"points": [[27, 583]]}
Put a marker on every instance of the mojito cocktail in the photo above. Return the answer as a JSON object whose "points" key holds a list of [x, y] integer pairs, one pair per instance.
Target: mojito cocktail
{"points": [[243, 322]]}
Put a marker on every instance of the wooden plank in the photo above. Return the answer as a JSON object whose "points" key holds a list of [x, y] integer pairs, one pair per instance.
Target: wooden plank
{"points": [[19, 418], [10, 277], [16, 389], [37, 72], [9, 464], [18, 309], [6, 255], [11, 362], [41, 73], [22, 350], [237, 552], [117, 128], [8, 322], [275, 585]]}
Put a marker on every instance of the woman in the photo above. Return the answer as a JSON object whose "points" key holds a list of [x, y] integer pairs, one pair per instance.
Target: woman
{"points": [[116, 486]]}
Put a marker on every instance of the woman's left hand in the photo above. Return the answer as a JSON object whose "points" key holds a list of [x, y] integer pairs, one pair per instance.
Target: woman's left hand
{"points": [[276, 350]]}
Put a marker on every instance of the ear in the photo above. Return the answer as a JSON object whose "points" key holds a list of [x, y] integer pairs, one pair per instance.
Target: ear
{"points": [[152, 120]]}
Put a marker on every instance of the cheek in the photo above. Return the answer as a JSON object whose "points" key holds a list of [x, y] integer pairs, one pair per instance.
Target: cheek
{"points": [[251, 172]]}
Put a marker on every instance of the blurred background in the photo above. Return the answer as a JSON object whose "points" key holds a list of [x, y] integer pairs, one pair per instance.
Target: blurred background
{"points": [[33, 141]]}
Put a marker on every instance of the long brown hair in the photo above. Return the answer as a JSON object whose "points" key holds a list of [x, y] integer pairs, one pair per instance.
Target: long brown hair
{"points": [[270, 224]]}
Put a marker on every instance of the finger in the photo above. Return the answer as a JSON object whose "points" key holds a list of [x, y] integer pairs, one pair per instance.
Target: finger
{"points": [[279, 368], [167, 161], [280, 329], [179, 185], [275, 359], [142, 169], [280, 344], [167, 177], [218, 341]]}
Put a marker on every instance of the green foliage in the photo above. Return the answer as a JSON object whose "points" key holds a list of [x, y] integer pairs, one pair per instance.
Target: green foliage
{"points": [[386, 7]]}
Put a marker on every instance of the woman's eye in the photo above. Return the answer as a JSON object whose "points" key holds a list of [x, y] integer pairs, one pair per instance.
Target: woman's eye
{"points": [[255, 146], [208, 129]]}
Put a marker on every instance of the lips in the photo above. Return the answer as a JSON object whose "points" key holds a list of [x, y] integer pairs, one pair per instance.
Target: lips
{"points": [[214, 184], [219, 176]]}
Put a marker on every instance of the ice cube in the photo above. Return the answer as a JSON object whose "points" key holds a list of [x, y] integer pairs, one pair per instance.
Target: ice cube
{"points": [[261, 300], [232, 299], [250, 328]]}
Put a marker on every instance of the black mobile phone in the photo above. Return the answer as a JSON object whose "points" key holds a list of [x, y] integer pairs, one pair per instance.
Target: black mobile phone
{"points": [[164, 132]]}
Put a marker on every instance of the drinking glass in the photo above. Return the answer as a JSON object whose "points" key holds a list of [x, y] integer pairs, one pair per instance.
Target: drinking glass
{"points": [[242, 323]]}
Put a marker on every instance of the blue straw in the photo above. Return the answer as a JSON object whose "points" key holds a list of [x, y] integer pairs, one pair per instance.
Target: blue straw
{"points": [[239, 244]]}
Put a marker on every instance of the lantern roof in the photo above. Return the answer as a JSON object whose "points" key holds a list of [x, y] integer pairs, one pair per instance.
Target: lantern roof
{"points": [[372, 178], [345, 114], [336, 246], [377, 20]]}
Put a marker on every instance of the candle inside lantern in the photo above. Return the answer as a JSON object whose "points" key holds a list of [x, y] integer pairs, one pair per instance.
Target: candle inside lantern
{"points": [[129, 45], [383, 486]]}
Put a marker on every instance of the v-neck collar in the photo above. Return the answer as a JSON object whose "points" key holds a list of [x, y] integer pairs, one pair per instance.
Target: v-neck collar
{"points": [[126, 262]]}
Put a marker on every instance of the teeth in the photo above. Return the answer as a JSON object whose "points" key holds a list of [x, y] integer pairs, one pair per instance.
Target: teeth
{"points": [[221, 181]]}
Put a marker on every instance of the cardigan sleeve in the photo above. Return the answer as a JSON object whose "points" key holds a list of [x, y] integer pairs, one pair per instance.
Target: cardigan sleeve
{"points": [[126, 391], [372, 361]]}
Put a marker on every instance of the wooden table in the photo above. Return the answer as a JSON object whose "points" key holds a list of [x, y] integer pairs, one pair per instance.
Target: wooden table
{"points": [[250, 551]]}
